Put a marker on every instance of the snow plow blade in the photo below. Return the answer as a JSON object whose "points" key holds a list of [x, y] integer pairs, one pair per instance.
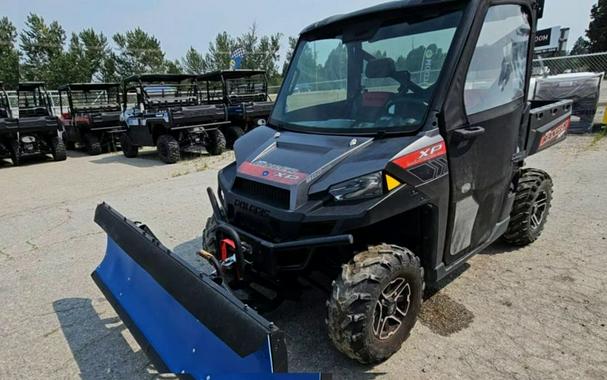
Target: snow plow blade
{"points": [[186, 323]]}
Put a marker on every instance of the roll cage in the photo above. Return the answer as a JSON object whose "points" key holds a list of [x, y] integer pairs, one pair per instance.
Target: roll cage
{"points": [[33, 100], [233, 86], [156, 92], [89, 97], [5, 107]]}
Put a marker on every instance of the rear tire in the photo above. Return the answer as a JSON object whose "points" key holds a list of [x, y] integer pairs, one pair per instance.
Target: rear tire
{"points": [[58, 149], [128, 149], [216, 142], [531, 207], [15, 153], [375, 303], [168, 149], [232, 134], [93, 145], [69, 145]]}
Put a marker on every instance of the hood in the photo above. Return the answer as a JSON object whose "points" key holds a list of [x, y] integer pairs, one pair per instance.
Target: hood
{"points": [[305, 163]]}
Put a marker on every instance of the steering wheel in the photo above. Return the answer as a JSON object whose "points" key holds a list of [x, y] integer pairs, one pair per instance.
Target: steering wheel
{"points": [[415, 111], [415, 102]]}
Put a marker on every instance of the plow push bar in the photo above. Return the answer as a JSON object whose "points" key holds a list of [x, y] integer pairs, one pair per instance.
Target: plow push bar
{"points": [[185, 322]]}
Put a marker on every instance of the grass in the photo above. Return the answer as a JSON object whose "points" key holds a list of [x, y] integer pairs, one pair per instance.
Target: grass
{"points": [[197, 166], [599, 136]]}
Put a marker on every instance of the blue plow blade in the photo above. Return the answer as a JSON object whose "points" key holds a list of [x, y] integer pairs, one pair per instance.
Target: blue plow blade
{"points": [[187, 324]]}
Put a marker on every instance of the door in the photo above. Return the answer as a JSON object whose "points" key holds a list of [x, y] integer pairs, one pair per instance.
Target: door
{"points": [[481, 145]]}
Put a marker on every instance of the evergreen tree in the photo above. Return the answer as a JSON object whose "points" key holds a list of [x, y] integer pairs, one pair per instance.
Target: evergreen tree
{"points": [[9, 56], [581, 46], [42, 47], [138, 52], [218, 55], [289, 56], [597, 30], [193, 62]]}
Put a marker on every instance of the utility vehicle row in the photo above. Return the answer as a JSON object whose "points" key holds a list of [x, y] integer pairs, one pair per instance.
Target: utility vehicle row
{"points": [[176, 113]]}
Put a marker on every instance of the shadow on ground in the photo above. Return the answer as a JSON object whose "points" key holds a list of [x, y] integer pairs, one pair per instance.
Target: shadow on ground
{"points": [[145, 159], [98, 345]]}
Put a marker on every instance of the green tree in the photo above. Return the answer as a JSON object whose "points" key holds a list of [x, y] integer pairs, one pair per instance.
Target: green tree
{"points": [[95, 52], [42, 47], [260, 52], [138, 52], [220, 50], [173, 67], [9, 56], [581, 46], [597, 30], [289, 56], [193, 62]]}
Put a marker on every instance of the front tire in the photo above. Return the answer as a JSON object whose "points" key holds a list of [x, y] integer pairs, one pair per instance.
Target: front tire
{"points": [[15, 153], [168, 149], [375, 303], [232, 134], [128, 149], [93, 145], [216, 142], [58, 149], [531, 207]]}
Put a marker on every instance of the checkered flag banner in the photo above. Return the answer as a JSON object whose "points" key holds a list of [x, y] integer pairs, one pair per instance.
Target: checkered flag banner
{"points": [[236, 58]]}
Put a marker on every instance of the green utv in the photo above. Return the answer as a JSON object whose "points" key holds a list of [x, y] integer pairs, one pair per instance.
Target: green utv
{"points": [[395, 151]]}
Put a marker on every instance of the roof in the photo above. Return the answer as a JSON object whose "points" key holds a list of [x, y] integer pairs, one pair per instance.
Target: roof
{"points": [[30, 85], [150, 77], [88, 86], [371, 11], [230, 74]]}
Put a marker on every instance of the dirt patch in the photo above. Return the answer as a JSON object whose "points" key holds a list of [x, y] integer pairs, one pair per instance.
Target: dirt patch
{"points": [[445, 316]]}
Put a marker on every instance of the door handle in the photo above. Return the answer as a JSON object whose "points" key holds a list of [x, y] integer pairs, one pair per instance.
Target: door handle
{"points": [[468, 133]]}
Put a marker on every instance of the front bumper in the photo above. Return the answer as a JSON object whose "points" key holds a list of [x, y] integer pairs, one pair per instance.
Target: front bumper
{"points": [[265, 255]]}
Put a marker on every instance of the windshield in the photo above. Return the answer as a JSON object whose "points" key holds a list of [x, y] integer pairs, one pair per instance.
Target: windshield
{"points": [[383, 81]]}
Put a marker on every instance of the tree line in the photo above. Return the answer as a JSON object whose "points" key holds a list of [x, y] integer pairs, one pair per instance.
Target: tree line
{"points": [[43, 51]]}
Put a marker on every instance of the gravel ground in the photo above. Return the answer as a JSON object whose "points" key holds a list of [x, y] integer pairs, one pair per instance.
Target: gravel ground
{"points": [[532, 313]]}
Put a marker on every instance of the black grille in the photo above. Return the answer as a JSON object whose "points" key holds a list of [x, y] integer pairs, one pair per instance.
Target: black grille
{"points": [[273, 196]]}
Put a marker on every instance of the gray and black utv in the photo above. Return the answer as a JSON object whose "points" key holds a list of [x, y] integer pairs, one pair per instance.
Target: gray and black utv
{"points": [[396, 150], [36, 130], [163, 110], [90, 114], [245, 94]]}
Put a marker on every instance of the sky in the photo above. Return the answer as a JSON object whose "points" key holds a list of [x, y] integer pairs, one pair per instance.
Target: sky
{"points": [[179, 24]]}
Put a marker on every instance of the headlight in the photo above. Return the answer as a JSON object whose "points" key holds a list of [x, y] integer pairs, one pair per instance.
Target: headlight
{"points": [[366, 186]]}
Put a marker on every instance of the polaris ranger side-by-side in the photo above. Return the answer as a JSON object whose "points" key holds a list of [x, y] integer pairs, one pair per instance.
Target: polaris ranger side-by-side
{"points": [[244, 92], [90, 114], [36, 131], [167, 114], [404, 158]]}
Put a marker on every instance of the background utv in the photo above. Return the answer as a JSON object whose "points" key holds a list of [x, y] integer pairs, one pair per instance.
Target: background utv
{"points": [[90, 113], [164, 110], [245, 94], [405, 157], [36, 131]]}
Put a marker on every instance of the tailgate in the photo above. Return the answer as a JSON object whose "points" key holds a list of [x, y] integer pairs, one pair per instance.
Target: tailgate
{"points": [[186, 323], [548, 124]]}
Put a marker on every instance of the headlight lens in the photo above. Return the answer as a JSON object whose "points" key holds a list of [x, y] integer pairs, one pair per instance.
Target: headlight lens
{"points": [[366, 186]]}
